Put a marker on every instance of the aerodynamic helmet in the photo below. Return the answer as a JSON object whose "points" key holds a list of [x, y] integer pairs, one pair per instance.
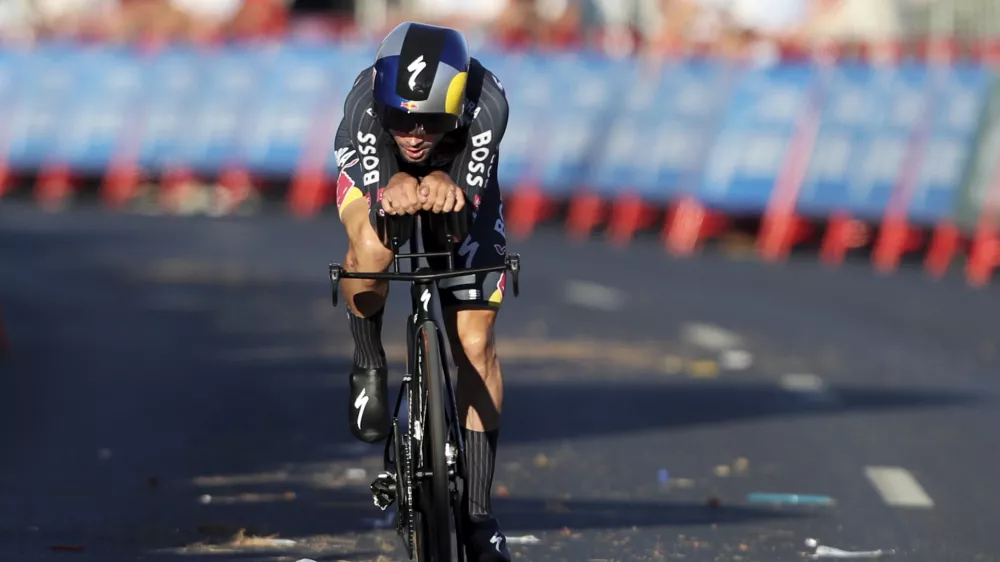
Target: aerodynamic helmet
{"points": [[420, 77]]}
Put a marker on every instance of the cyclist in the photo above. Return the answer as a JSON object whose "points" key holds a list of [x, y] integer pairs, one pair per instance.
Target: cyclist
{"points": [[421, 132]]}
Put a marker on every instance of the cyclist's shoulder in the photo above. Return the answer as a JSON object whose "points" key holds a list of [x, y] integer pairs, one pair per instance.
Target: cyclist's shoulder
{"points": [[358, 106], [487, 99], [483, 85]]}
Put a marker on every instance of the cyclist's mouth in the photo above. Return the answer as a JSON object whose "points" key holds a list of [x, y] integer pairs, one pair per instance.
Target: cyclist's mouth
{"points": [[415, 153]]}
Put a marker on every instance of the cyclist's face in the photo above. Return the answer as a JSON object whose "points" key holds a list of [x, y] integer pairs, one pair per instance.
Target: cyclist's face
{"points": [[415, 146]]}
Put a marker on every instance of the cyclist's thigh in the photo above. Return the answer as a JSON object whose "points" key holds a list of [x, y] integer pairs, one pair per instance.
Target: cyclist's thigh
{"points": [[485, 246]]}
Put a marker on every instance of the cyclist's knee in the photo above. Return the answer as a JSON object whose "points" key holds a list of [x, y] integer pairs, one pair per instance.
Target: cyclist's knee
{"points": [[474, 331], [366, 253]]}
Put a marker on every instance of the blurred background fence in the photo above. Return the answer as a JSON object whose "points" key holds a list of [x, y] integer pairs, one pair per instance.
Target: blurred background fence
{"points": [[845, 123]]}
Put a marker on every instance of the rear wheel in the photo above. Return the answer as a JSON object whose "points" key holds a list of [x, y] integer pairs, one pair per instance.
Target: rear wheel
{"points": [[435, 485]]}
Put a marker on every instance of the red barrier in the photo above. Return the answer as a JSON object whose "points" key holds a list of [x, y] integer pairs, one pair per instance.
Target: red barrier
{"points": [[120, 184], [307, 194], [528, 206], [945, 243], [630, 214], [843, 233], [779, 228], [53, 186], [586, 211], [983, 254], [172, 186], [688, 223]]}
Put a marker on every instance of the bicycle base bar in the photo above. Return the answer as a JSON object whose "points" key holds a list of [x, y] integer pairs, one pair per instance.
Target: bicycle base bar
{"points": [[512, 263]]}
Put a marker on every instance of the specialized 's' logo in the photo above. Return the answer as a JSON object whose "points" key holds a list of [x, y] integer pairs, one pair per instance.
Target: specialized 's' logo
{"points": [[468, 250], [360, 403], [415, 68], [426, 299], [497, 540]]}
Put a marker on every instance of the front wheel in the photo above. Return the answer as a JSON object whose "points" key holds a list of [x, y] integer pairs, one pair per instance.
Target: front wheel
{"points": [[435, 484]]}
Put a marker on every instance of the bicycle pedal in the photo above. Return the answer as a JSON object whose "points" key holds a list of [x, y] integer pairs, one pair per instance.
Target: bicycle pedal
{"points": [[384, 490]]}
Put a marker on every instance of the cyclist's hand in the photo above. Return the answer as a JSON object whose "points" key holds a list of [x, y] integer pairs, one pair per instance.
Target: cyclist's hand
{"points": [[400, 196], [439, 194]]}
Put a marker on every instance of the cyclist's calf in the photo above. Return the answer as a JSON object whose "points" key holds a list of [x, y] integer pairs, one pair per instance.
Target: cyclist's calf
{"points": [[480, 380]]}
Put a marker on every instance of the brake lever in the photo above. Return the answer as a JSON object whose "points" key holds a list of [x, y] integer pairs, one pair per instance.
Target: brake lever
{"points": [[335, 270], [514, 264]]}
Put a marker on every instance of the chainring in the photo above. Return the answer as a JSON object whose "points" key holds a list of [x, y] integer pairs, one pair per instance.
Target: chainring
{"points": [[411, 535]]}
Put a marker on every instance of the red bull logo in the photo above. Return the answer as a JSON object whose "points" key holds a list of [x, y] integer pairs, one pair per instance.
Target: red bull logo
{"points": [[408, 105]]}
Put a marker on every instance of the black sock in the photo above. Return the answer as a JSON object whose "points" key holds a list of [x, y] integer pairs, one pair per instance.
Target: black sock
{"points": [[480, 458], [367, 333]]}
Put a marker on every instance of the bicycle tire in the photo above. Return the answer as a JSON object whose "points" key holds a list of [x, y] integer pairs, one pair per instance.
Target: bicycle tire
{"points": [[437, 518]]}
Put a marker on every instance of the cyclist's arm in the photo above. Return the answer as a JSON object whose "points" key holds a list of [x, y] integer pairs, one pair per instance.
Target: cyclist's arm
{"points": [[477, 163], [364, 163]]}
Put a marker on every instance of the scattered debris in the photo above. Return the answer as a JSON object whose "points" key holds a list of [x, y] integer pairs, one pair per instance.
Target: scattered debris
{"points": [[681, 483], [663, 477], [830, 552], [792, 499], [248, 497], [356, 474], [541, 461], [241, 539], [735, 360], [527, 539], [722, 471], [741, 465], [502, 491], [703, 369]]}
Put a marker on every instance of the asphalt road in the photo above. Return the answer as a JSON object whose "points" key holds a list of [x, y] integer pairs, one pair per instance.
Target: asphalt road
{"points": [[174, 380]]}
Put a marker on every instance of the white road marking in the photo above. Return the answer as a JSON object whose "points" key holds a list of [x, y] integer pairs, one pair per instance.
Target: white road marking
{"points": [[710, 337], [595, 296], [898, 487]]}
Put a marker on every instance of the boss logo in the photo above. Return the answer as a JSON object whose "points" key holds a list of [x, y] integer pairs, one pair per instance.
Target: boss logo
{"points": [[369, 160]]}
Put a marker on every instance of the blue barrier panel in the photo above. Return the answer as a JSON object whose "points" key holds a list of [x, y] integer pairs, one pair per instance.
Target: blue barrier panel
{"points": [[870, 120], [751, 149], [48, 84], [707, 128], [297, 87], [583, 97], [107, 91], [664, 128], [229, 79], [171, 89], [959, 102]]}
